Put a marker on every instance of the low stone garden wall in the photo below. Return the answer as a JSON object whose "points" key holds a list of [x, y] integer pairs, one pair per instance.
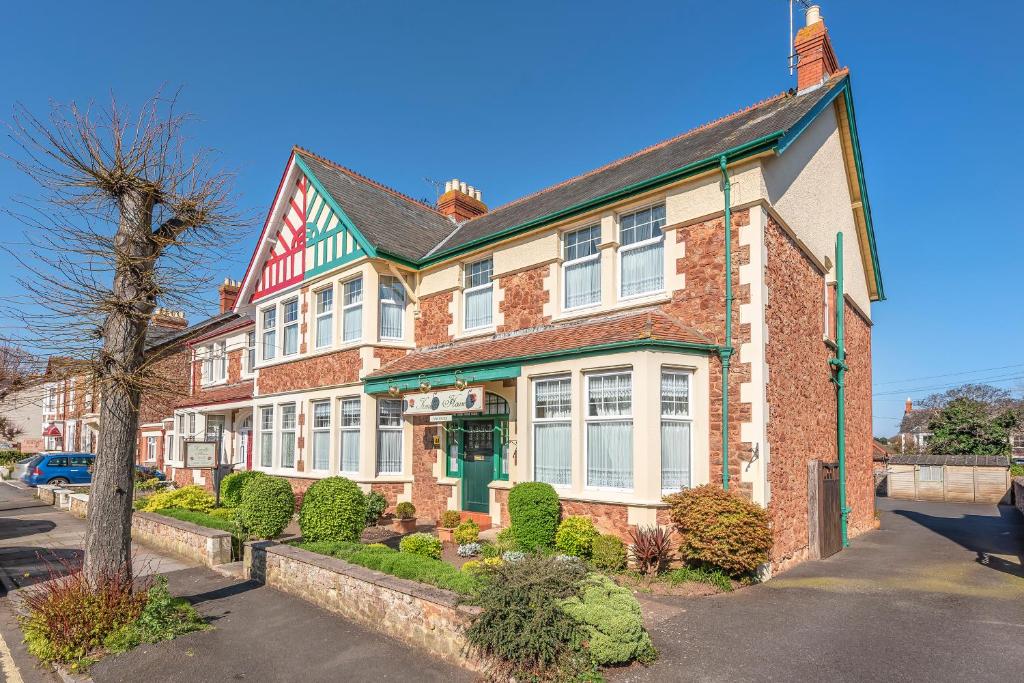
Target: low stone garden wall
{"points": [[44, 492], [1018, 493], [79, 504], [199, 544], [426, 617]]}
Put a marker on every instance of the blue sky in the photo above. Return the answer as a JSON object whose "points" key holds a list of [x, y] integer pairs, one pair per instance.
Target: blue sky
{"points": [[516, 96]]}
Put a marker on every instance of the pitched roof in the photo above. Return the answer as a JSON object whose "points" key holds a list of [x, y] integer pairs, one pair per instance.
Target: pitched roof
{"points": [[916, 421], [652, 325], [954, 460], [157, 337], [228, 394], [391, 221]]}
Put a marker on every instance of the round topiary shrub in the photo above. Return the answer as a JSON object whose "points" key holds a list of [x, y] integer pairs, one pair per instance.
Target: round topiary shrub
{"points": [[575, 536], [451, 519], [720, 529], [405, 510], [231, 486], [609, 553], [421, 544], [333, 509], [533, 510], [267, 506]]}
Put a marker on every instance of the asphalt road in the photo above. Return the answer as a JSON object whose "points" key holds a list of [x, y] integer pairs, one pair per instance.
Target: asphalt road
{"points": [[909, 602]]}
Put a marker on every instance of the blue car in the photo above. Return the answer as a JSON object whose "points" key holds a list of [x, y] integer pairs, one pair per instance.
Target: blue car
{"points": [[59, 468]]}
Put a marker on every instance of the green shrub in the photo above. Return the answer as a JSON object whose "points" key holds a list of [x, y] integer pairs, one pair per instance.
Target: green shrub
{"points": [[150, 484], [451, 519], [333, 509], [421, 544], [267, 506], [376, 504], [405, 510], [8, 458], [533, 510], [188, 498], [1016, 470], [163, 618], [229, 514], [575, 536], [720, 529], [609, 553], [522, 625], [467, 532], [231, 486], [713, 577], [403, 565], [612, 621]]}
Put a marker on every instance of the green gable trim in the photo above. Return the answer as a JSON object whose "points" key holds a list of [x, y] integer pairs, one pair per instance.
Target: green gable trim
{"points": [[336, 208], [507, 368]]}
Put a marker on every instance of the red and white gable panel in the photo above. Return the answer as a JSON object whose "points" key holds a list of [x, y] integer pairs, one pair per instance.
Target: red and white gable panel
{"points": [[285, 265]]}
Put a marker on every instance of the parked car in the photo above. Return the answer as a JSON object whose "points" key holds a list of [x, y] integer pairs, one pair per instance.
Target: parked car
{"points": [[59, 468], [142, 472], [21, 466]]}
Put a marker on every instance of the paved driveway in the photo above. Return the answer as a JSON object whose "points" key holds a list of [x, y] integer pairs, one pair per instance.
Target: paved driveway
{"points": [[909, 602]]}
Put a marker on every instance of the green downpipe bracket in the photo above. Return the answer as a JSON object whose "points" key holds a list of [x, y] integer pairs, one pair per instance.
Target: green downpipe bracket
{"points": [[725, 353], [839, 363]]}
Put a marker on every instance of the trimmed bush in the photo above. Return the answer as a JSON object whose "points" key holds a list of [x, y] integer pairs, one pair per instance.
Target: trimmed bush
{"points": [[451, 519], [575, 536], [467, 532], [188, 498], [609, 553], [421, 544], [533, 510], [376, 504], [267, 506], [231, 486], [611, 618], [405, 510], [333, 509], [720, 529]]}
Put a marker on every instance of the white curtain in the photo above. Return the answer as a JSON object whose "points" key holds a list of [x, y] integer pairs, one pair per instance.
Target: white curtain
{"points": [[583, 283], [610, 454], [675, 455], [321, 450], [323, 329], [551, 453], [350, 450], [352, 323], [291, 339], [389, 451], [478, 308], [643, 269], [391, 320], [288, 449]]}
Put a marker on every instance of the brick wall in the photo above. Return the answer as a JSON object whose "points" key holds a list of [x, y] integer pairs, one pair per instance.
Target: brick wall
{"points": [[523, 299], [169, 384], [435, 317], [391, 492], [429, 497], [329, 369]]}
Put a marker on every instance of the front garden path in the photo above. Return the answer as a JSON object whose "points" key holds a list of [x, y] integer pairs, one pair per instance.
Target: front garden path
{"points": [[259, 634], [936, 594]]}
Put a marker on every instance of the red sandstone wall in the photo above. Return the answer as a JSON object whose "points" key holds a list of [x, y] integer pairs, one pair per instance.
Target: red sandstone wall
{"points": [[524, 299], [341, 367], [429, 497], [860, 490], [435, 317]]}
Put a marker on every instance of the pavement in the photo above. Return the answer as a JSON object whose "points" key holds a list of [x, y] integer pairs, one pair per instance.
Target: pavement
{"points": [[936, 594], [258, 633]]}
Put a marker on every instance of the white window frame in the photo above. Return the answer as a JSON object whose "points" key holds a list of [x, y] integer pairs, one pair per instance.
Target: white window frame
{"points": [[150, 449], [317, 430], [344, 428], [467, 290], [588, 419], [399, 304], [266, 434], [205, 354], [268, 335], [324, 318], [286, 432], [626, 248], [287, 325], [931, 470], [568, 263], [686, 418], [345, 307], [390, 428], [549, 420], [250, 353]]}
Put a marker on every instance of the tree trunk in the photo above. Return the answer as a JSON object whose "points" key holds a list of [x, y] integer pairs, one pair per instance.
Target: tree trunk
{"points": [[108, 535]]}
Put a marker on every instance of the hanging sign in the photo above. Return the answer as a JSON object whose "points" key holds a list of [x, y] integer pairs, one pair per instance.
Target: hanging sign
{"points": [[468, 400], [201, 455]]}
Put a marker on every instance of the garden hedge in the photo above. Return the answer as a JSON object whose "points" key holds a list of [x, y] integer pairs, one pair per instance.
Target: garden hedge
{"points": [[533, 510], [231, 486]]}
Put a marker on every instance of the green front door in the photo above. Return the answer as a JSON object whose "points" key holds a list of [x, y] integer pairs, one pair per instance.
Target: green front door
{"points": [[477, 464]]}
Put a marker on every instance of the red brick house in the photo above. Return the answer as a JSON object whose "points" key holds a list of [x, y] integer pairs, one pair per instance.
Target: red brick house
{"points": [[678, 317]]}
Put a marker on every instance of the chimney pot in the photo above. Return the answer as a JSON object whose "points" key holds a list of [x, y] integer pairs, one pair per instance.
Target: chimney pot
{"points": [[462, 187], [228, 293], [461, 201], [910, 405], [448, 186], [813, 14]]}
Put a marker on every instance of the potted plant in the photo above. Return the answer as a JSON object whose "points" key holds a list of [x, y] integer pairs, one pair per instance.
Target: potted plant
{"points": [[446, 527], [405, 518]]}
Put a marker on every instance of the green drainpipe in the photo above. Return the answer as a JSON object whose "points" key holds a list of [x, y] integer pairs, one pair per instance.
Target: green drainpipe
{"points": [[725, 353], [839, 363]]}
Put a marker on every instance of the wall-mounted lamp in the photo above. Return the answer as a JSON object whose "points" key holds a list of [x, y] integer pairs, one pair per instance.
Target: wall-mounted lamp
{"points": [[393, 390], [424, 384], [460, 383]]}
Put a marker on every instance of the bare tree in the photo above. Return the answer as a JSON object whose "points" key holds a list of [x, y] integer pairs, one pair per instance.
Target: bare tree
{"points": [[17, 368], [131, 212]]}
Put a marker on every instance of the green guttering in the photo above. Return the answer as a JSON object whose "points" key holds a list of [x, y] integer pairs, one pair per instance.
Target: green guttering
{"points": [[507, 368], [839, 364], [725, 352]]}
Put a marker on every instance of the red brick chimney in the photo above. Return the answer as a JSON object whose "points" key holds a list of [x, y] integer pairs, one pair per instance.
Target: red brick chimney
{"points": [[168, 319], [228, 294], [460, 201], [910, 405], [816, 60]]}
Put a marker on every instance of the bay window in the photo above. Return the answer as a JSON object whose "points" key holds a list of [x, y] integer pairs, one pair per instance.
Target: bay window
{"points": [[609, 430], [352, 310], [392, 307], [321, 435], [267, 436], [215, 432], [676, 428], [324, 318], [288, 435], [477, 295], [389, 436], [291, 326], [552, 430], [581, 269], [642, 250], [351, 420], [269, 320]]}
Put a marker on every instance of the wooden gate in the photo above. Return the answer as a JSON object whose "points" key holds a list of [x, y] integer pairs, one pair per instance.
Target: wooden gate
{"points": [[825, 535]]}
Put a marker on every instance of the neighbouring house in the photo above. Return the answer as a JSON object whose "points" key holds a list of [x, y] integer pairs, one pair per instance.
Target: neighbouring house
{"points": [[915, 432], [670, 319], [954, 478], [22, 408], [70, 406]]}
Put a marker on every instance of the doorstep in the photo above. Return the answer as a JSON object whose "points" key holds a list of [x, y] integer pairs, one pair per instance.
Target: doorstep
{"points": [[482, 519]]}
